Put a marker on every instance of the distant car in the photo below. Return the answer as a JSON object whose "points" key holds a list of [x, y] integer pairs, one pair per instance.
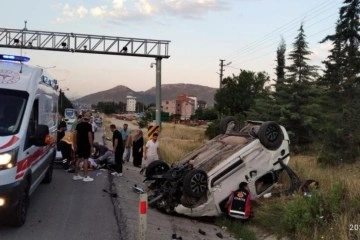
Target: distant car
{"points": [[200, 183], [98, 121]]}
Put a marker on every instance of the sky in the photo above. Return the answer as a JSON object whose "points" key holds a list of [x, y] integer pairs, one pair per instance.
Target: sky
{"points": [[244, 33]]}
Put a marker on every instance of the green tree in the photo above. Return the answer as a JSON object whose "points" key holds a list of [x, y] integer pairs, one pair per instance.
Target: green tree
{"points": [[63, 102], [342, 71], [280, 60], [300, 70], [239, 92], [297, 96]]}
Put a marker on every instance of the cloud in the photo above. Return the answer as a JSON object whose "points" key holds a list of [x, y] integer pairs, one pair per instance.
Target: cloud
{"points": [[145, 7], [192, 8], [81, 11], [138, 10], [69, 14], [98, 11], [67, 11]]}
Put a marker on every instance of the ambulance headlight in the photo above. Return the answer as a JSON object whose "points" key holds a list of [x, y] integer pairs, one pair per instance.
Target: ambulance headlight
{"points": [[8, 159]]}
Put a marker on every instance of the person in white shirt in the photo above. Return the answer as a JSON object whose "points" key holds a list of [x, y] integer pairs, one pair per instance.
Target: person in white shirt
{"points": [[152, 151]]}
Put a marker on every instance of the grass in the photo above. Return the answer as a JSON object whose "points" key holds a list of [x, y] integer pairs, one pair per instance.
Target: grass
{"points": [[328, 214]]}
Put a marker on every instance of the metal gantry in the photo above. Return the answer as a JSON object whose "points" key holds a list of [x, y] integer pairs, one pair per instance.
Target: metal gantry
{"points": [[83, 43], [88, 43]]}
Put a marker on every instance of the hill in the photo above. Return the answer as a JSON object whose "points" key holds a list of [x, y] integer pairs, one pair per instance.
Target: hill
{"points": [[169, 92]]}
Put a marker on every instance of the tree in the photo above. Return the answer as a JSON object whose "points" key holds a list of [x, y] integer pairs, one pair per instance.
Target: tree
{"points": [[239, 92], [342, 135], [299, 70], [63, 102], [280, 60], [297, 96]]}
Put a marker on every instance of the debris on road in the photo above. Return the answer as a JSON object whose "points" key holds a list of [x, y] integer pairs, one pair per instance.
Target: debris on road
{"points": [[219, 234], [202, 232], [138, 190]]}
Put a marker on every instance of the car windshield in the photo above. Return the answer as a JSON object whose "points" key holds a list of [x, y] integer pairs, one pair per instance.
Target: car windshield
{"points": [[12, 108]]}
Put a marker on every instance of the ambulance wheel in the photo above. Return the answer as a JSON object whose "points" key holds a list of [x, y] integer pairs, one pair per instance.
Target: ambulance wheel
{"points": [[195, 183], [18, 216], [270, 135], [228, 121], [156, 168]]}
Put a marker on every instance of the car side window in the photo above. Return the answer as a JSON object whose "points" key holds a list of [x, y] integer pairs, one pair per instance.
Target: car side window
{"points": [[33, 123], [264, 182]]}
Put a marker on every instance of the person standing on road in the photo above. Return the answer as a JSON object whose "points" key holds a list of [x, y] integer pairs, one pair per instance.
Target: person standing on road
{"points": [[138, 146], [83, 145], [152, 151], [76, 122], [61, 129], [118, 148], [125, 134]]}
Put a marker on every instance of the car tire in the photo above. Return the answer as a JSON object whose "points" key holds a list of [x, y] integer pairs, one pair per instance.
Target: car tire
{"points": [[270, 135], [195, 183], [224, 123], [156, 167], [18, 217]]}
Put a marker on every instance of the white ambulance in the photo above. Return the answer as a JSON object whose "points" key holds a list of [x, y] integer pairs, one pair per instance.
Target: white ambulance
{"points": [[28, 128]]}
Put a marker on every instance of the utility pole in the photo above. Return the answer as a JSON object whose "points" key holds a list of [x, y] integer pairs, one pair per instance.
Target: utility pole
{"points": [[221, 71]]}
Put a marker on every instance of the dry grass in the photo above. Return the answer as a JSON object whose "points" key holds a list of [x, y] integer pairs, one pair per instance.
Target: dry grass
{"points": [[178, 140], [348, 176]]}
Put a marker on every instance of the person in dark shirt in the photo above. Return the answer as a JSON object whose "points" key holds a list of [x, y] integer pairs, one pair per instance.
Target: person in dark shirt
{"points": [[239, 204], [138, 147], [118, 148], [83, 145], [61, 129]]}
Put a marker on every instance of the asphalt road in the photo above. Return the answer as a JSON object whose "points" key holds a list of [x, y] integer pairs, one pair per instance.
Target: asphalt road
{"points": [[72, 210]]}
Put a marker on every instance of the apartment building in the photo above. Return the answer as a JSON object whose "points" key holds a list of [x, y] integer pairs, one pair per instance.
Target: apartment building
{"points": [[183, 105], [130, 104]]}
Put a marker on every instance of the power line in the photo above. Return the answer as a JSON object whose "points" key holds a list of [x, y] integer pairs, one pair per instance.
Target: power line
{"points": [[274, 52], [317, 11], [271, 44]]}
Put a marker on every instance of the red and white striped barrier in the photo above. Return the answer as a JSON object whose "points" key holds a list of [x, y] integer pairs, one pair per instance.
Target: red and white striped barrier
{"points": [[143, 205]]}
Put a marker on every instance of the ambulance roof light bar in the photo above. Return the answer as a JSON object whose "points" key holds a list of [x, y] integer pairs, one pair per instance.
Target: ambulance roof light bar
{"points": [[14, 58]]}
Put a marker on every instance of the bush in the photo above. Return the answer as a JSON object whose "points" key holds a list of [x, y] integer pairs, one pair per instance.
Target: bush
{"points": [[304, 217], [213, 129]]}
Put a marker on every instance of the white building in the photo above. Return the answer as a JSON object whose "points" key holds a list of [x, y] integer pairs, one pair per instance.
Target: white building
{"points": [[130, 104]]}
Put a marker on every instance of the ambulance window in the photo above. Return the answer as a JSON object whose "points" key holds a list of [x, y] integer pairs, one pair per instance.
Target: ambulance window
{"points": [[12, 108], [33, 122]]}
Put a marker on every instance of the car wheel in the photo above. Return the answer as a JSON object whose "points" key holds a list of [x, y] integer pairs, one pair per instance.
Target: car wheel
{"points": [[156, 167], [18, 216], [270, 135], [227, 122], [195, 183]]}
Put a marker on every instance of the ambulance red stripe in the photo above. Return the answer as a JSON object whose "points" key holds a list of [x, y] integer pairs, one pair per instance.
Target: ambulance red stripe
{"points": [[12, 141]]}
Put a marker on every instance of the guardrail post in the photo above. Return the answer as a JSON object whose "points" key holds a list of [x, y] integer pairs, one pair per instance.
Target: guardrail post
{"points": [[142, 216]]}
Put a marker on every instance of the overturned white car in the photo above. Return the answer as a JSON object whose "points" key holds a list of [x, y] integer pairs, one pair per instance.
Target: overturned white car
{"points": [[200, 184]]}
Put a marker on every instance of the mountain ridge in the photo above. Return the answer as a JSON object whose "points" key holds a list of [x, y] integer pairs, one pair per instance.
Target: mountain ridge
{"points": [[168, 92]]}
